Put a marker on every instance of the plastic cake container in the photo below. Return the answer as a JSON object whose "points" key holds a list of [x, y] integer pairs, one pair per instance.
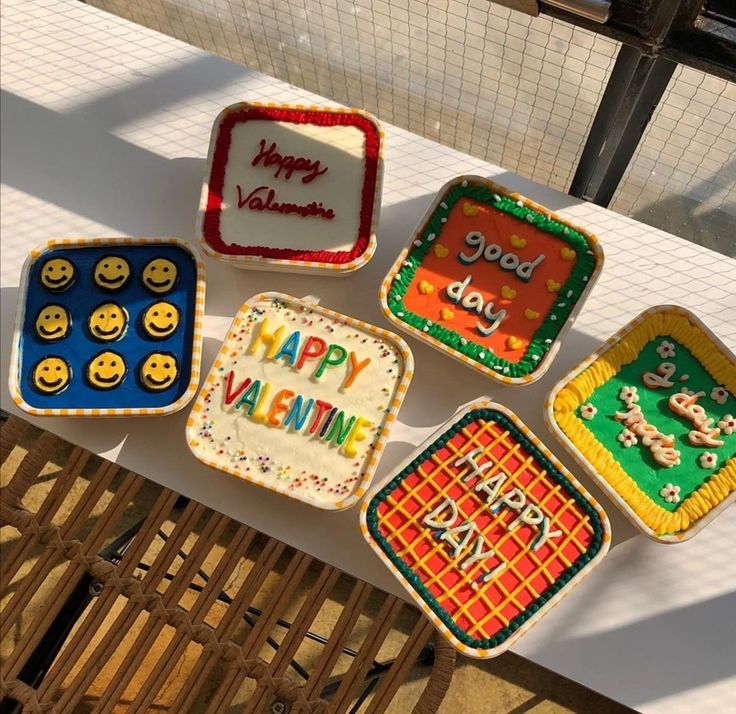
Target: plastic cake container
{"points": [[121, 337]]}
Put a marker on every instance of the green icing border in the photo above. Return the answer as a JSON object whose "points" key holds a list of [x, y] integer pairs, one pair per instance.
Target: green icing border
{"points": [[550, 328], [505, 422]]}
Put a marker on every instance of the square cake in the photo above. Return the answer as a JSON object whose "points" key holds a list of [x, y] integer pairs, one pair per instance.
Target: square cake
{"points": [[485, 528], [492, 279], [651, 415], [108, 327], [300, 400], [292, 188]]}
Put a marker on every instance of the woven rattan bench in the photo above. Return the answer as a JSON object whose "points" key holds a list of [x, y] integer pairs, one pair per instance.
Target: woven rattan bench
{"points": [[120, 595]]}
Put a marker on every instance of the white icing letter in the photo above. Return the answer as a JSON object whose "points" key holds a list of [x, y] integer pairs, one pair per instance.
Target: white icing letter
{"points": [[491, 486], [432, 519], [545, 535], [468, 528], [474, 238], [495, 318], [496, 571], [524, 271], [478, 553], [515, 498], [493, 252], [531, 515], [455, 290], [473, 301], [509, 262], [469, 459]]}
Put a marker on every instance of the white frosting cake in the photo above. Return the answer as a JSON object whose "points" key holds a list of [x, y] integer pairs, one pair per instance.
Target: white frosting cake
{"points": [[290, 187], [300, 400]]}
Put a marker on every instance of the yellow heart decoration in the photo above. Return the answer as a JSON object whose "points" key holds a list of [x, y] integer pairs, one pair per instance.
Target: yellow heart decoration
{"points": [[530, 314], [425, 288], [567, 253], [553, 286], [514, 343], [507, 292], [446, 314], [518, 241], [470, 210], [440, 251]]}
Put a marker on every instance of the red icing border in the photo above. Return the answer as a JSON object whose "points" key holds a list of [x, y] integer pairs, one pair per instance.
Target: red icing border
{"points": [[211, 223]]}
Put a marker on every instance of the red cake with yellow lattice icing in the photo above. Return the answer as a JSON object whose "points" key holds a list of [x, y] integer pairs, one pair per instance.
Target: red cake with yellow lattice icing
{"points": [[485, 528]]}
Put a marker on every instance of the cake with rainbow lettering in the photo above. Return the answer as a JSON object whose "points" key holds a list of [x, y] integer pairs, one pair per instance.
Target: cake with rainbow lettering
{"points": [[300, 400]]}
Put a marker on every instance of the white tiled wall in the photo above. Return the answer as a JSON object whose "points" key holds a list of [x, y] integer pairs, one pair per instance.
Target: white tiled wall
{"points": [[518, 91]]}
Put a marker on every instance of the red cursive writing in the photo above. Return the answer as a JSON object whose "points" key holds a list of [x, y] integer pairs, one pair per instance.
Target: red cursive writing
{"points": [[268, 203], [288, 164]]}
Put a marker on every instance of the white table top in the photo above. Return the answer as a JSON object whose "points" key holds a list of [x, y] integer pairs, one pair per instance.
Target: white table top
{"points": [[105, 130]]}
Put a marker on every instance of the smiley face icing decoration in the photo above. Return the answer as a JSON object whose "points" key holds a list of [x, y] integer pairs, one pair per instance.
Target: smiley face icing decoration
{"points": [[651, 417], [300, 400], [485, 528], [492, 279], [292, 188], [108, 327]]}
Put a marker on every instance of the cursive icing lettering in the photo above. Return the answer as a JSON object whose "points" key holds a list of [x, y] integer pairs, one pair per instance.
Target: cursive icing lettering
{"points": [[257, 200], [661, 445], [288, 164], [686, 406]]}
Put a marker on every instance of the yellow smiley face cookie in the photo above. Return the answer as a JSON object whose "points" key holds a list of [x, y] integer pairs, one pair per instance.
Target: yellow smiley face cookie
{"points": [[159, 275], [160, 320], [158, 371], [53, 323], [111, 272], [51, 375], [57, 274], [108, 322], [106, 370]]}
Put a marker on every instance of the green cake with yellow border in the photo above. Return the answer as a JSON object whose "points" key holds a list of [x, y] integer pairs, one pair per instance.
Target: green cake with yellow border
{"points": [[651, 416]]}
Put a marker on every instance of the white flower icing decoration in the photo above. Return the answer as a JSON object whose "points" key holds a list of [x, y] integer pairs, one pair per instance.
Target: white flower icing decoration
{"points": [[708, 460], [670, 493], [629, 395], [719, 394], [727, 425], [627, 438], [690, 392], [588, 411], [666, 349]]}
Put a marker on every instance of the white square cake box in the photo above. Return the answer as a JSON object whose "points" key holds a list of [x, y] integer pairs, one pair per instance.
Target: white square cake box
{"points": [[300, 400], [292, 188]]}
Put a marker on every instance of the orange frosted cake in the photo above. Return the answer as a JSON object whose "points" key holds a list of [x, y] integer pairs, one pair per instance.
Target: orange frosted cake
{"points": [[492, 279]]}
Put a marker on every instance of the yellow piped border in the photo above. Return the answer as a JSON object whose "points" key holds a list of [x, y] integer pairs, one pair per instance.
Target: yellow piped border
{"points": [[546, 360], [182, 401], [486, 403], [255, 262], [622, 348], [388, 420]]}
